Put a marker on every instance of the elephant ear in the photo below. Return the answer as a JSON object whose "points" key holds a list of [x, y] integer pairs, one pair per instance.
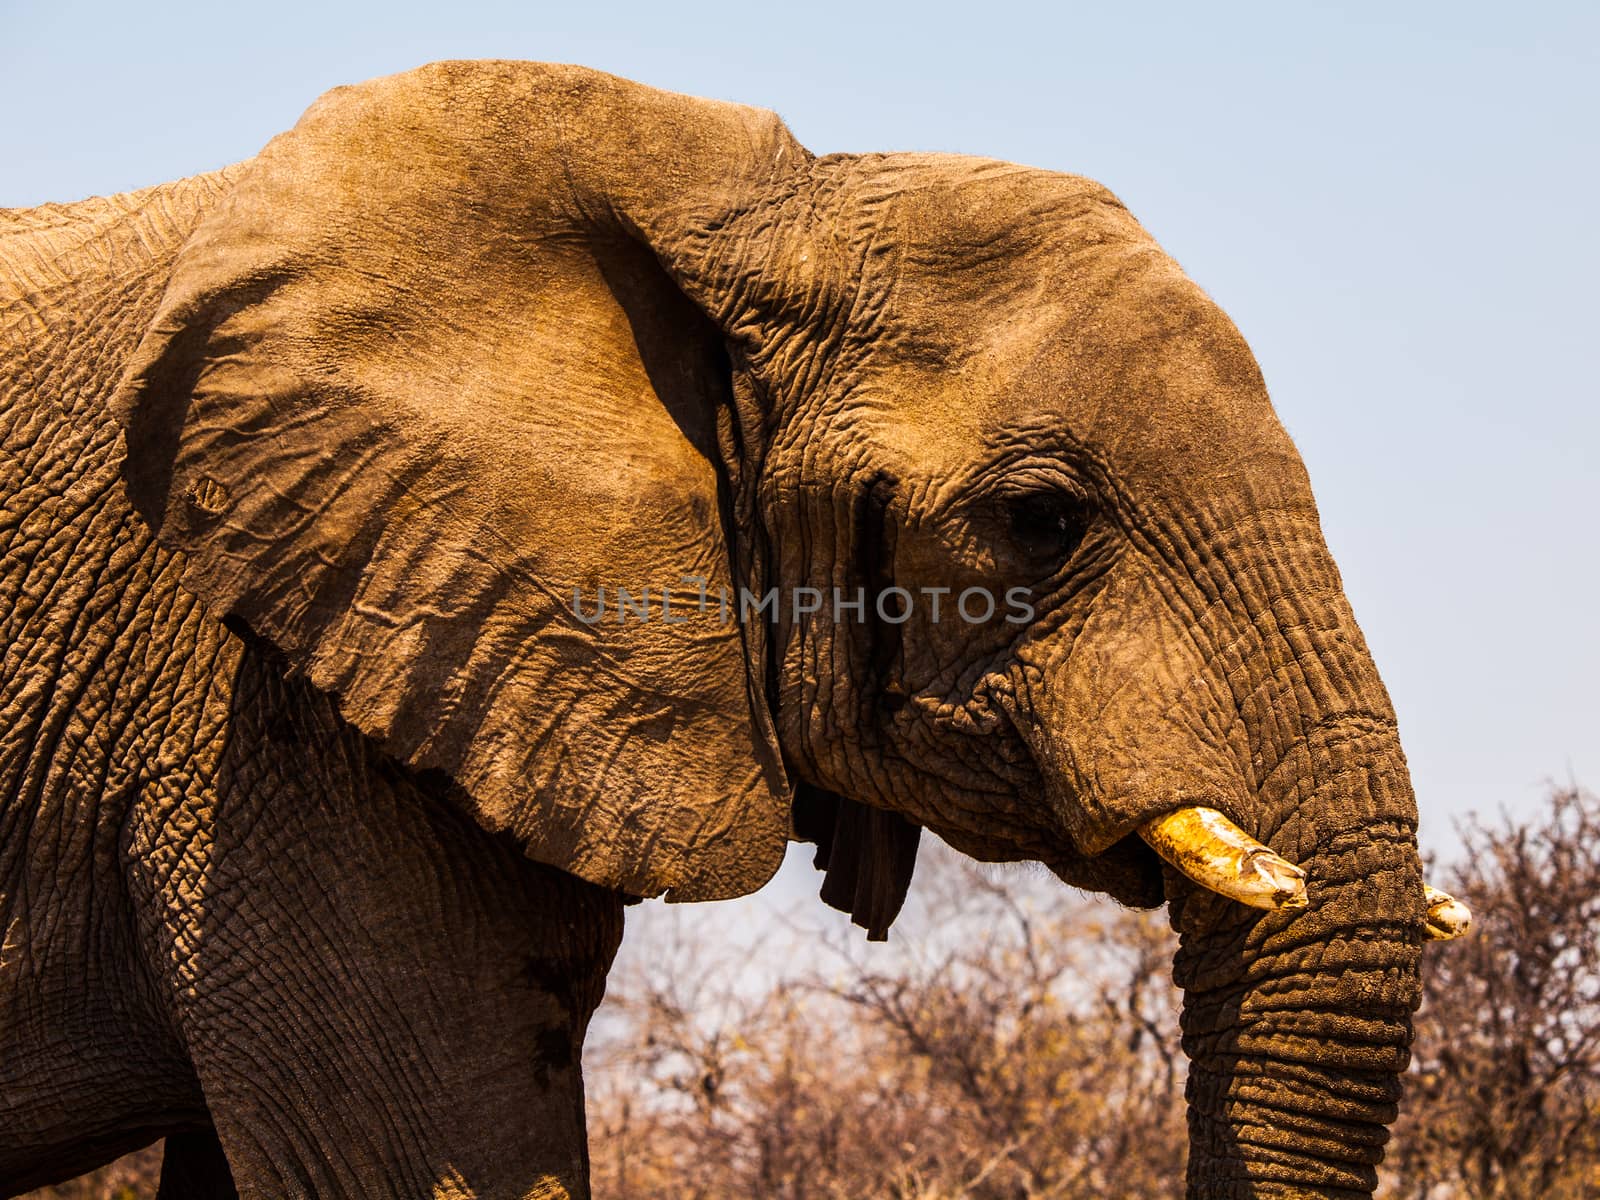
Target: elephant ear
{"points": [[424, 375]]}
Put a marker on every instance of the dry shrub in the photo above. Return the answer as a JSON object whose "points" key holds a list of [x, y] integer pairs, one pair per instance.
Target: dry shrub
{"points": [[1503, 1098], [133, 1177], [1015, 1041]]}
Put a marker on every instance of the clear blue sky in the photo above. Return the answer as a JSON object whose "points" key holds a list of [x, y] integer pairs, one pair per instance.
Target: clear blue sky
{"points": [[1396, 202]]}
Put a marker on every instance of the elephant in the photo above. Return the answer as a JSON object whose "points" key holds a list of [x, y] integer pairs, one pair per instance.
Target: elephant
{"points": [[325, 780]]}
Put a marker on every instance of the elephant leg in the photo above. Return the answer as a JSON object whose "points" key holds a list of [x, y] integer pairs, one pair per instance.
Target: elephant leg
{"points": [[379, 997], [193, 1167]]}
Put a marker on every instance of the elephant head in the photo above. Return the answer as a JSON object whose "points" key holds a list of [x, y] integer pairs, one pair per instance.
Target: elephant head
{"points": [[473, 341]]}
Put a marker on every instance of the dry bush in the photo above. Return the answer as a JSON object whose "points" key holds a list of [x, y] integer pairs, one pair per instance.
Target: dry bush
{"points": [[132, 1177], [1503, 1099], [1016, 1041]]}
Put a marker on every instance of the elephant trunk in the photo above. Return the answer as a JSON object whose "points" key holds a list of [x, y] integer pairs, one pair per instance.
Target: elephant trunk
{"points": [[1298, 1022], [1297, 1025], [1248, 690]]}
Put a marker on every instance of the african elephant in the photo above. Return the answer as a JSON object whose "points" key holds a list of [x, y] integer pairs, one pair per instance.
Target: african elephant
{"points": [[323, 790]]}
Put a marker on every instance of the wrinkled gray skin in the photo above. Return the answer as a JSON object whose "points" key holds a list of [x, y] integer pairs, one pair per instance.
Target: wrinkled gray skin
{"points": [[318, 806]]}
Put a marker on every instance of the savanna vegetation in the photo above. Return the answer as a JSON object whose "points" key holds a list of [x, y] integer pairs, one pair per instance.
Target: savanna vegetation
{"points": [[1015, 1041]]}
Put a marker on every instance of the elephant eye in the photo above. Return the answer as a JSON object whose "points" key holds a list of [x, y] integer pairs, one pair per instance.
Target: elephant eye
{"points": [[1049, 527]]}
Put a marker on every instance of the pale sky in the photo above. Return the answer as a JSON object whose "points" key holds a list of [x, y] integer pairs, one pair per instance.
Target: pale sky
{"points": [[1396, 203]]}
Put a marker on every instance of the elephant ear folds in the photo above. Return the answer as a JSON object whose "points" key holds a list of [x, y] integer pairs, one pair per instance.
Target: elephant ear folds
{"points": [[404, 399], [868, 856]]}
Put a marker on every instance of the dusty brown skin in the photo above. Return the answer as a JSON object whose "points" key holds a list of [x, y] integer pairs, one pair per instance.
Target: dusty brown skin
{"points": [[320, 804]]}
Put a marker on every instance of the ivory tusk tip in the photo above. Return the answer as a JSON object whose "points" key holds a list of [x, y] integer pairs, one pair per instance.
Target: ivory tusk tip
{"points": [[1447, 917], [1278, 882]]}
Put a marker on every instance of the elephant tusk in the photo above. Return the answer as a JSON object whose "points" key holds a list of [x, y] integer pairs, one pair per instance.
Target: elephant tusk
{"points": [[1218, 855], [1447, 917]]}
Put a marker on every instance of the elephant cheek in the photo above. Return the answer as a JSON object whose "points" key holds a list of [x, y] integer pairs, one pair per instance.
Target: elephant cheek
{"points": [[1129, 722]]}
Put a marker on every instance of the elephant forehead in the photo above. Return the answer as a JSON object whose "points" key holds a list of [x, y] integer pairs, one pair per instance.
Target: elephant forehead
{"points": [[959, 249], [967, 228], [1126, 360]]}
